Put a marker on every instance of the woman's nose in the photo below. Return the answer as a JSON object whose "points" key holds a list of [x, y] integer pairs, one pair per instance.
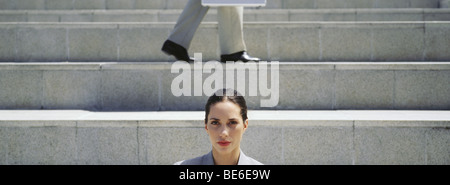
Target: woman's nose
{"points": [[224, 132]]}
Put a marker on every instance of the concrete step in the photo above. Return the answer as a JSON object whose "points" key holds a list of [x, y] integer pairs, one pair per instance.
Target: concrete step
{"points": [[143, 86], [273, 137], [250, 15], [179, 4], [271, 41]]}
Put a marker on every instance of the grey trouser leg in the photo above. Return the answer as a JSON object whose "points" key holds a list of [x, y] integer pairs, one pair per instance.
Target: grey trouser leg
{"points": [[230, 26], [188, 22], [231, 29]]}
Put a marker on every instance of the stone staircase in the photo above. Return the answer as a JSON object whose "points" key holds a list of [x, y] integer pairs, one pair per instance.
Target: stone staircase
{"points": [[360, 82], [251, 15], [179, 4]]}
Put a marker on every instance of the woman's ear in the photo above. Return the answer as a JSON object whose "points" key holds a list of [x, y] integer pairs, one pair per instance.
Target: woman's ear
{"points": [[245, 124]]}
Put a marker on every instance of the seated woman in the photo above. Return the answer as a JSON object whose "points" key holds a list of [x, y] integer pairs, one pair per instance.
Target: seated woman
{"points": [[225, 123]]}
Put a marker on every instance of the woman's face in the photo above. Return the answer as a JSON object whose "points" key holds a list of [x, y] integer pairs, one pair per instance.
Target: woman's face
{"points": [[225, 127]]}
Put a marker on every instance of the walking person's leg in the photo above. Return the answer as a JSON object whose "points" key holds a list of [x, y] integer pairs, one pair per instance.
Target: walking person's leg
{"points": [[231, 34], [181, 36], [231, 29]]}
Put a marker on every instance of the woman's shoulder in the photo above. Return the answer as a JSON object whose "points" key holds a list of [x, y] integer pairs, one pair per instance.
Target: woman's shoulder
{"points": [[206, 159], [246, 160], [194, 161]]}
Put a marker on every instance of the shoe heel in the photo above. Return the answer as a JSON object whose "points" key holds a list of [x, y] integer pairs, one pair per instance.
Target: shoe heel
{"points": [[165, 52]]}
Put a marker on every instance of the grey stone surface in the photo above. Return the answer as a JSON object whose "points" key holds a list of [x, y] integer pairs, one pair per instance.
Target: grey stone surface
{"points": [[437, 39], [59, 4], [364, 89], [171, 102], [13, 16], [175, 4], [360, 4], [391, 4], [322, 15], [173, 15], [3, 146], [299, 4], [438, 140], [377, 146], [142, 43], [37, 145], [89, 4], [124, 16], [250, 15], [271, 15], [76, 17], [442, 14], [71, 90], [153, 4], [41, 43], [331, 4], [5, 4], [306, 42], [27, 4], [20, 89], [93, 42], [43, 17], [302, 86], [346, 42], [259, 118], [306, 89], [318, 145], [302, 41], [401, 42], [276, 4], [119, 4], [422, 90], [392, 66], [9, 45], [253, 102], [16, 118], [424, 4], [186, 143], [263, 144], [255, 38], [130, 90], [273, 137], [205, 41], [389, 15], [444, 3], [106, 143]]}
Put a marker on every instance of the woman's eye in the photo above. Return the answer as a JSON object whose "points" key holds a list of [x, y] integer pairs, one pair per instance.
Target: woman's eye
{"points": [[233, 122], [214, 123]]}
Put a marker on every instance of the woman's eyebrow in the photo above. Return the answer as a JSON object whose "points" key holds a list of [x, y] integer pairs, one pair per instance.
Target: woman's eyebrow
{"points": [[228, 119]]}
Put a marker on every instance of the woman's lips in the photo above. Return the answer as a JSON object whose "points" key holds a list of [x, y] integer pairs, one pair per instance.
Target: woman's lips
{"points": [[224, 143]]}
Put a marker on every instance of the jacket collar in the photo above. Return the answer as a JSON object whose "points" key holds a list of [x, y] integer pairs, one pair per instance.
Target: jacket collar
{"points": [[208, 159]]}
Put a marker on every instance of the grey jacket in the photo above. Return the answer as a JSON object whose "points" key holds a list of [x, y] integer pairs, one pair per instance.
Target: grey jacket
{"points": [[208, 160]]}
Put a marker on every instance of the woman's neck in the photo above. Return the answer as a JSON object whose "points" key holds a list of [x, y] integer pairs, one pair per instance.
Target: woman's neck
{"points": [[231, 158]]}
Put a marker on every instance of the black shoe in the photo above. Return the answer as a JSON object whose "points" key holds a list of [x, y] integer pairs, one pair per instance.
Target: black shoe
{"points": [[239, 56], [179, 52]]}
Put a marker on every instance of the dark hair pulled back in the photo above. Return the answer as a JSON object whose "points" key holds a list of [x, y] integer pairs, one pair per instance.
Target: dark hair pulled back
{"points": [[230, 95]]}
